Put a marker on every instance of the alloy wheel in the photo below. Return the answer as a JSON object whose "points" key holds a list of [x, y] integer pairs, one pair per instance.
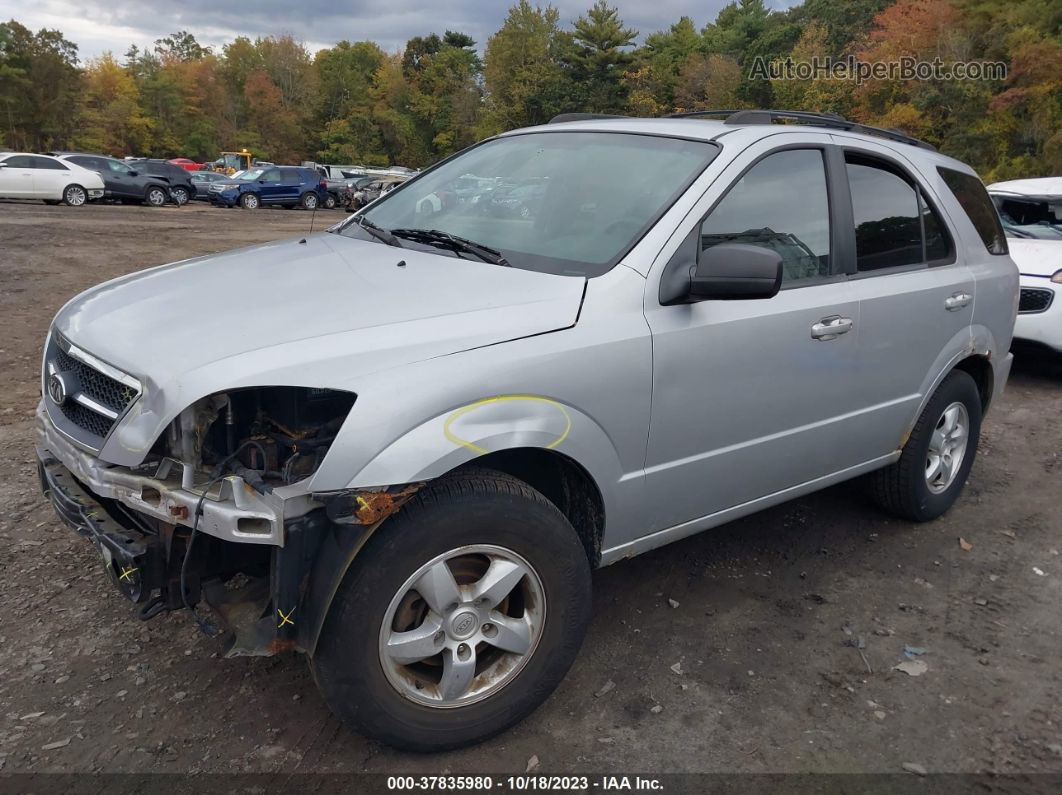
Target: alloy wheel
{"points": [[947, 447], [462, 626]]}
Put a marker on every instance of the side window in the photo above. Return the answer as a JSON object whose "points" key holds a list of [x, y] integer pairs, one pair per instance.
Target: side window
{"points": [[888, 230], [85, 162], [119, 167], [973, 198], [20, 161], [271, 176], [49, 164], [291, 177], [781, 204]]}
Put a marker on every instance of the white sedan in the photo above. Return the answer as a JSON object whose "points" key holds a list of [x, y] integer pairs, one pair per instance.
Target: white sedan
{"points": [[28, 176]]}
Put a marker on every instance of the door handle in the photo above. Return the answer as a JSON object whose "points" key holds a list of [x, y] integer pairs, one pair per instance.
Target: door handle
{"points": [[830, 328], [957, 301]]}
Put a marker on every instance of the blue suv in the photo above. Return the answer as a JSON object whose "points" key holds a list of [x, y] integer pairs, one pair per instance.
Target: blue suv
{"points": [[287, 186]]}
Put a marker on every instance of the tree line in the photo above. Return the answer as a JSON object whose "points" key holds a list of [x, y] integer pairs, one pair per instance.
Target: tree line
{"points": [[356, 103]]}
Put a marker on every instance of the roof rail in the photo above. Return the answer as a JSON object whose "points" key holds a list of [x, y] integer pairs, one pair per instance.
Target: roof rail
{"points": [[830, 120], [563, 117]]}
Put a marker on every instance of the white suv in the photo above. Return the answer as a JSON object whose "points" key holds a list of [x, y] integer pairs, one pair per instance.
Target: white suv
{"points": [[28, 176]]}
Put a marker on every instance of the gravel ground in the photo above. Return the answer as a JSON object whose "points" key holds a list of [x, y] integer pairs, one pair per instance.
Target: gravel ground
{"points": [[767, 645]]}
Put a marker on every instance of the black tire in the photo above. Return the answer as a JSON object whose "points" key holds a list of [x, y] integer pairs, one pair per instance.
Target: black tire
{"points": [[902, 488], [330, 202], [180, 195], [155, 196], [309, 200], [250, 201], [75, 196], [466, 507]]}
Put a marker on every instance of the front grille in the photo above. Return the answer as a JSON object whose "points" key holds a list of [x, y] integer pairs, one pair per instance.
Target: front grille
{"points": [[1034, 299], [95, 400]]}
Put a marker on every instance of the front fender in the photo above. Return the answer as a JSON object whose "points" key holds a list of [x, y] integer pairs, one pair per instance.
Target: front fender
{"points": [[479, 427]]}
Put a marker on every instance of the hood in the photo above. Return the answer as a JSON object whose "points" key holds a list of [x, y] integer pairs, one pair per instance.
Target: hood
{"points": [[1040, 187], [1036, 257], [317, 312]]}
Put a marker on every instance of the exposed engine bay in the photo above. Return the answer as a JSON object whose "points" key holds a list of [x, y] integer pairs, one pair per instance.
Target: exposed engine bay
{"points": [[270, 436]]}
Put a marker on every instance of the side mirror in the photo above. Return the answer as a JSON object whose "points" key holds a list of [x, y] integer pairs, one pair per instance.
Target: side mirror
{"points": [[3, 165], [134, 173], [736, 271]]}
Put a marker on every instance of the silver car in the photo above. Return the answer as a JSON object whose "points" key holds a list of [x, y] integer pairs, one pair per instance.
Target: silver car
{"points": [[401, 446]]}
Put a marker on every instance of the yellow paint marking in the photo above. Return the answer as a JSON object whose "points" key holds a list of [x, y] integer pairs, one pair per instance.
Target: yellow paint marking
{"points": [[451, 436], [285, 619], [127, 574]]}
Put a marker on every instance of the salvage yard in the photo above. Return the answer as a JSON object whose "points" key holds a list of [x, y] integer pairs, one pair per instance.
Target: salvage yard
{"points": [[767, 645]]}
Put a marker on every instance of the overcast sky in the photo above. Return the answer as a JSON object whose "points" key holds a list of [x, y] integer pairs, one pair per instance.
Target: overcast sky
{"points": [[100, 25]]}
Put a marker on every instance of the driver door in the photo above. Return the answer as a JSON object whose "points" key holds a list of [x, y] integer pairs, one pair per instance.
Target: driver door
{"points": [[16, 177], [753, 397]]}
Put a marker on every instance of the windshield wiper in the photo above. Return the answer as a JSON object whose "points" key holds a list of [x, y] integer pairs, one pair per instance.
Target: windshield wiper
{"points": [[378, 232], [436, 237]]}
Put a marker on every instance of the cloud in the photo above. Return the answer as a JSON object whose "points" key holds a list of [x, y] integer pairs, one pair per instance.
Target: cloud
{"points": [[100, 25]]}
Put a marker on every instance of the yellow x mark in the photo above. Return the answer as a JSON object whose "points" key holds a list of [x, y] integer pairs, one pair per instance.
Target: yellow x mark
{"points": [[285, 619], [126, 574]]}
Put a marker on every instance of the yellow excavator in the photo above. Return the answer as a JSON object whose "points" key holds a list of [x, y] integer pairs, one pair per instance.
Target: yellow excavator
{"points": [[231, 162]]}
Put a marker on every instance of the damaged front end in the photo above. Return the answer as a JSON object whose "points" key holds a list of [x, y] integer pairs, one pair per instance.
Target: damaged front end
{"points": [[221, 511]]}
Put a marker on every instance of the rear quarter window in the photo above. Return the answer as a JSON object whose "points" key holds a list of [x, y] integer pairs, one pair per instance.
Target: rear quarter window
{"points": [[975, 202]]}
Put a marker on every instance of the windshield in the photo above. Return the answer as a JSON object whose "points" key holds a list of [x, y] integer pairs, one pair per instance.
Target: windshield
{"points": [[251, 173], [558, 202], [1039, 217]]}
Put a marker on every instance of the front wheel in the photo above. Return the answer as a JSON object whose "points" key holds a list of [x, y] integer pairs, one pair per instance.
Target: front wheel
{"points": [[249, 201], [74, 196], [155, 197], [309, 201], [939, 453], [330, 202], [180, 195], [461, 615]]}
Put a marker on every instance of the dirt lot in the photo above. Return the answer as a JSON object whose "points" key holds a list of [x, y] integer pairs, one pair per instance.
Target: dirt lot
{"points": [[770, 610]]}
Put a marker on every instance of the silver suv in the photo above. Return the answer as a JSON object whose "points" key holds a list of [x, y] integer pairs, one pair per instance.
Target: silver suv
{"points": [[401, 446]]}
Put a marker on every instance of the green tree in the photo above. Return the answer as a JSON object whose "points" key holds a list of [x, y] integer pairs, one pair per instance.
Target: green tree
{"points": [[598, 58]]}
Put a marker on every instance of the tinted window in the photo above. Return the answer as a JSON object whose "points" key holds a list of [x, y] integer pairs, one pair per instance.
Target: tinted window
{"points": [[20, 161], [86, 162], [272, 175], [780, 204], [49, 163], [885, 205], [973, 198], [291, 176]]}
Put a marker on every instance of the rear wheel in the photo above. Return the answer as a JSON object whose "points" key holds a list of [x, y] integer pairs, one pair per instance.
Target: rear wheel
{"points": [[249, 201], [330, 202], [74, 196], [180, 195], [155, 196], [309, 201], [938, 455], [459, 618]]}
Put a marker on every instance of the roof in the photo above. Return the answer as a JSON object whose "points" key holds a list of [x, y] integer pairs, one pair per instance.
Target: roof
{"points": [[742, 128], [1039, 187]]}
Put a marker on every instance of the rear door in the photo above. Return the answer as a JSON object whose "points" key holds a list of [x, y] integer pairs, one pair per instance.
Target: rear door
{"points": [[291, 182], [50, 178], [916, 295], [16, 177]]}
